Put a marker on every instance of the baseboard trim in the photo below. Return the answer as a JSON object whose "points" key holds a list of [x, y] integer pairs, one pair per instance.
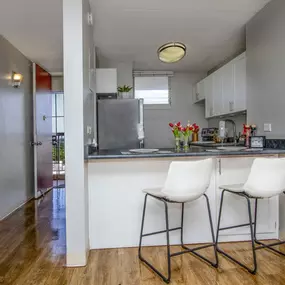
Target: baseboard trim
{"points": [[282, 235], [42, 195], [15, 210]]}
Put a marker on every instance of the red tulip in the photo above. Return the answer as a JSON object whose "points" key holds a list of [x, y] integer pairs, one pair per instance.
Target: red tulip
{"points": [[171, 125], [191, 128], [194, 125], [178, 124], [183, 129]]}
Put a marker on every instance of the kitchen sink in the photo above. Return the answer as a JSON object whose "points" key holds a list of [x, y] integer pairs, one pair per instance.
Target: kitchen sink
{"points": [[226, 148], [231, 148], [144, 150]]}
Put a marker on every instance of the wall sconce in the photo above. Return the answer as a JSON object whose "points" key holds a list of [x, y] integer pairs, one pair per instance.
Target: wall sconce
{"points": [[16, 79]]}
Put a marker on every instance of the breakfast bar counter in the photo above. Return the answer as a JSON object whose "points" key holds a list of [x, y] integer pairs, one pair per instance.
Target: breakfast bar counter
{"points": [[116, 181], [194, 151]]}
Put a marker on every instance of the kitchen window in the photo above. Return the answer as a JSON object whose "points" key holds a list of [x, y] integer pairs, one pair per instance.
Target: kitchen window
{"points": [[154, 88]]}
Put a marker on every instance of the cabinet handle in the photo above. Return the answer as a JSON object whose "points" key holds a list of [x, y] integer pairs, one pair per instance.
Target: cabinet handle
{"points": [[220, 167]]}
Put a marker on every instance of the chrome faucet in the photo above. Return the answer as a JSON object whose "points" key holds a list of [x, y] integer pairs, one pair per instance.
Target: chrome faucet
{"points": [[234, 130]]}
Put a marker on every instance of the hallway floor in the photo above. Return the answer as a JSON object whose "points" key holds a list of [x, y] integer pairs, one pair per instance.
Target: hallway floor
{"points": [[32, 251]]}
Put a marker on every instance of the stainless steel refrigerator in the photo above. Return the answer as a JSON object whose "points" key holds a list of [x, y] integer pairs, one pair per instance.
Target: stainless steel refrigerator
{"points": [[120, 124]]}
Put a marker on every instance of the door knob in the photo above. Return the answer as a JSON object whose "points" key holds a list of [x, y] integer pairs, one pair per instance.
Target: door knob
{"points": [[36, 143]]}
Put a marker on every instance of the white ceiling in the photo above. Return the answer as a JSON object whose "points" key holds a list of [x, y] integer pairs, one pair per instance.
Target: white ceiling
{"points": [[35, 28], [132, 30]]}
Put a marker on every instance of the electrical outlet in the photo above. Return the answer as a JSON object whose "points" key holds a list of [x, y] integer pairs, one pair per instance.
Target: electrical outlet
{"points": [[267, 127], [89, 130]]}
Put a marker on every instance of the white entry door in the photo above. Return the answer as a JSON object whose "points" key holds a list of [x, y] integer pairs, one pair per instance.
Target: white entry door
{"points": [[42, 130]]}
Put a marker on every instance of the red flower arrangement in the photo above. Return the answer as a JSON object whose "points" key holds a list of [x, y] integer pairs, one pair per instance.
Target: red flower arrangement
{"points": [[176, 129], [249, 128], [196, 128], [187, 131]]}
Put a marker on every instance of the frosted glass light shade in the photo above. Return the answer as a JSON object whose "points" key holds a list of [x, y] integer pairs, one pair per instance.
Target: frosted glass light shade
{"points": [[171, 52]]}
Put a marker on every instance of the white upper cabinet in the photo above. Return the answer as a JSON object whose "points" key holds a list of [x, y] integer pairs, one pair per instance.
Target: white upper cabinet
{"points": [[199, 92], [228, 88], [218, 101], [228, 93], [106, 80], [208, 88], [239, 66]]}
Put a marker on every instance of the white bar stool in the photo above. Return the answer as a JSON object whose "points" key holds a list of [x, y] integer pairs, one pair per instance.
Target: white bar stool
{"points": [[186, 181], [266, 180]]}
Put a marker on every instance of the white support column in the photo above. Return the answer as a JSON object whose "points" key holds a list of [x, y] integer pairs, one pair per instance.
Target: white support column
{"points": [[77, 230]]}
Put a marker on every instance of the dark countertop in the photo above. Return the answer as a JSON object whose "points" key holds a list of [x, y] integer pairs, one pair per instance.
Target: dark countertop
{"points": [[192, 152]]}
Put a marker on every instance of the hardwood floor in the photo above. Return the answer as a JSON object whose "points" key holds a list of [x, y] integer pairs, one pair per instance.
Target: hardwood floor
{"points": [[32, 251]]}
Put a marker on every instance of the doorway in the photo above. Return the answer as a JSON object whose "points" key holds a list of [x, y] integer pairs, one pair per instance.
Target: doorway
{"points": [[58, 139]]}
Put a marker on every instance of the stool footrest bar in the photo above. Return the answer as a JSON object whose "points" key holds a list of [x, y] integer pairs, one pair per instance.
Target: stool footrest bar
{"points": [[190, 250], [269, 246], [233, 227], [161, 232]]}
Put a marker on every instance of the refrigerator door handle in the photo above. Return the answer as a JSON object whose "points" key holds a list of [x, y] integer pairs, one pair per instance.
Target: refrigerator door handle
{"points": [[141, 111]]}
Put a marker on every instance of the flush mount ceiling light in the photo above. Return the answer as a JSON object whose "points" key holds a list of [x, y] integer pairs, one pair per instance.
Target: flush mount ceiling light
{"points": [[171, 52]]}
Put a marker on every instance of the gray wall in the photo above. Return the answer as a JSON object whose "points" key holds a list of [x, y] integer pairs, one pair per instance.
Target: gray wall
{"points": [[16, 123], [157, 131], [266, 68], [57, 83], [88, 96], [124, 70], [265, 74]]}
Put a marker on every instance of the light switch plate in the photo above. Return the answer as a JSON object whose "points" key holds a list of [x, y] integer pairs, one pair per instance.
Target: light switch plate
{"points": [[267, 127], [89, 130]]}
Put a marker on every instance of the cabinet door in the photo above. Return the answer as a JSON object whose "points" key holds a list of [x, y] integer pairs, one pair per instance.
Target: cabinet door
{"points": [[239, 66], [194, 95], [236, 171], [218, 105], [208, 87], [228, 88], [199, 91], [106, 80]]}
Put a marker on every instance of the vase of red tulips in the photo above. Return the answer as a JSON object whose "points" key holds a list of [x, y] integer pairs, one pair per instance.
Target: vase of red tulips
{"points": [[186, 132], [195, 136], [176, 130]]}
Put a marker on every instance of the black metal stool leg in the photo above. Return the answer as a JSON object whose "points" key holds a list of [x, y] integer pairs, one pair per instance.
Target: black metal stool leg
{"points": [[142, 225], [252, 271], [212, 232], [263, 245], [165, 279], [182, 223], [219, 218], [193, 250]]}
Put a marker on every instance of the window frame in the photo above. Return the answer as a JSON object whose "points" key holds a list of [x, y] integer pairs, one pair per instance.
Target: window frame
{"points": [[156, 106]]}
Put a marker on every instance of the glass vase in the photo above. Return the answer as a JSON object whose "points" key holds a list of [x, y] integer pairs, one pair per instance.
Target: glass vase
{"points": [[177, 143], [186, 143]]}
